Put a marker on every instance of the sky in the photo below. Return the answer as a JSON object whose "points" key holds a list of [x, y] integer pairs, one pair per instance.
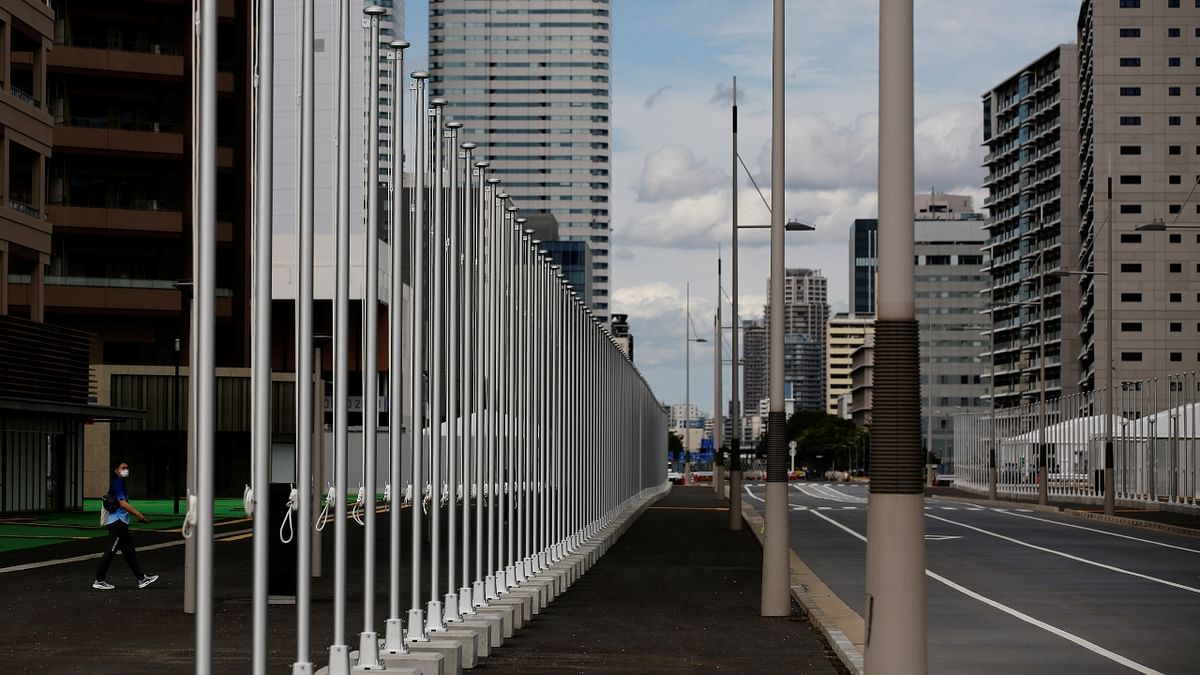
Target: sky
{"points": [[673, 65]]}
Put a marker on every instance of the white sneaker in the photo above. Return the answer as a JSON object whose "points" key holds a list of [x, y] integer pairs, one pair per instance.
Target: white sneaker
{"points": [[147, 580], [102, 586]]}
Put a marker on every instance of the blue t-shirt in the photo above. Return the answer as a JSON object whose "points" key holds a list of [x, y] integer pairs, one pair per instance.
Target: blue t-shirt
{"points": [[117, 487]]}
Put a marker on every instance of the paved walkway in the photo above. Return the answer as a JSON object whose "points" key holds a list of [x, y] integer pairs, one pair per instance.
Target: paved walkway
{"points": [[678, 593]]}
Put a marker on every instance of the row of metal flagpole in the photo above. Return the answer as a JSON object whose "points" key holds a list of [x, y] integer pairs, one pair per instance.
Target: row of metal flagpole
{"points": [[520, 420]]}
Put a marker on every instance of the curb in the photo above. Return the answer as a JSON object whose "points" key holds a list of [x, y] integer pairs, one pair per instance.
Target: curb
{"points": [[822, 607], [1091, 515]]}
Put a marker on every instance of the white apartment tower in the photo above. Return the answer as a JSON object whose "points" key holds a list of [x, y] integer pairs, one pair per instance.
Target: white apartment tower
{"points": [[1139, 84], [286, 129], [530, 83]]}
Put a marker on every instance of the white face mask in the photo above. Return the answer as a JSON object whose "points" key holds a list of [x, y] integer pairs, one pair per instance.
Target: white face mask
{"points": [[124, 473]]}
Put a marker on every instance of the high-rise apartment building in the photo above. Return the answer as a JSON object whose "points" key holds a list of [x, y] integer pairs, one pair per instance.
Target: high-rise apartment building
{"points": [[754, 363], [847, 332], [805, 313], [26, 27], [531, 84], [1031, 130], [1139, 111]]}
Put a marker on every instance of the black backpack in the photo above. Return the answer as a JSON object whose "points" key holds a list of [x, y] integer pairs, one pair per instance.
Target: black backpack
{"points": [[109, 502]]}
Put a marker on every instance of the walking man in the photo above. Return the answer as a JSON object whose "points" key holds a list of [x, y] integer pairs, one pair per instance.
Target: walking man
{"points": [[117, 524]]}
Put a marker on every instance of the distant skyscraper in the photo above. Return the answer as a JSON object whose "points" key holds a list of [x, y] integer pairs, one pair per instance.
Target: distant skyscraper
{"points": [[754, 363], [864, 264], [530, 83], [805, 313]]}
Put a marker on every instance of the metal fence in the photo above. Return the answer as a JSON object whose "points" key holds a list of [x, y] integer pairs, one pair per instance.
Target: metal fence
{"points": [[1154, 426]]}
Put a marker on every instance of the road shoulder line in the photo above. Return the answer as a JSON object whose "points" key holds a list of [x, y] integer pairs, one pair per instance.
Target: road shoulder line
{"points": [[842, 627], [1078, 513]]}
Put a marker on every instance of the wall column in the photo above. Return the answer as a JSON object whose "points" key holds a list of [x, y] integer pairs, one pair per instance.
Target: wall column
{"points": [[37, 289]]}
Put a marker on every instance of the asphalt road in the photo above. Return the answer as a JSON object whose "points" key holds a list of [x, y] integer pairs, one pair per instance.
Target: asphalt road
{"points": [[1013, 590]]}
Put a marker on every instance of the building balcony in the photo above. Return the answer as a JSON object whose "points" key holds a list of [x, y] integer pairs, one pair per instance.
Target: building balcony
{"points": [[102, 136], [104, 56], [112, 295], [139, 216]]}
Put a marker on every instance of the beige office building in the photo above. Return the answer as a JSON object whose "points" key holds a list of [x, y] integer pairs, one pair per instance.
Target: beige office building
{"points": [[847, 332]]}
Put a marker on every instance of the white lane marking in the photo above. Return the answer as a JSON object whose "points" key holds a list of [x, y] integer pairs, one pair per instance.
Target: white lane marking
{"points": [[849, 508], [94, 556], [949, 508], [940, 537], [1053, 630], [1105, 532], [825, 508], [754, 496], [1068, 556]]}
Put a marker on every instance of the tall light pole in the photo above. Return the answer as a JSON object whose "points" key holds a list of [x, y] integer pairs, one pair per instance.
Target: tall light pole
{"points": [[687, 379], [735, 429], [776, 597], [895, 639]]}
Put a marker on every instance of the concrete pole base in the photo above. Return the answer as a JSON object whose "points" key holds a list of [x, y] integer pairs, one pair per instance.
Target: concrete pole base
{"points": [[490, 588], [776, 571], [368, 651], [339, 660], [451, 605], [433, 624], [416, 626], [425, 664], [505, 614], [896, 584], [302, 669], [450, 651], [517, 605], [519, 570], [483, 635], [465, 608], [468, 641], [510, 576], [478, 595], [393, 631]]}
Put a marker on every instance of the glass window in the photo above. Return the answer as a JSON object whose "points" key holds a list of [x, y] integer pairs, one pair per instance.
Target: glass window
{"points": [[1130, 62]]}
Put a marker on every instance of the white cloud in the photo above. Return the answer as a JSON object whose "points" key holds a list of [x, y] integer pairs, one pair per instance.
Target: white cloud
{"points": [[673, 172]]}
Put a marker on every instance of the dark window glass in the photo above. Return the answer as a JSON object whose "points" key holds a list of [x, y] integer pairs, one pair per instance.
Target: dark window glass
{"points": [[1131, 180], [1173, 61], [1177, 297], [1176, 327], [1131, 120], [1131, 297], [1176, 356], [1131, 91], [1131, 356], [1176, 238], [1131, 268], [1131, 149], [1131, 327], [1130, 238], [1131, 208], [1131, 62], [1130, 32]]}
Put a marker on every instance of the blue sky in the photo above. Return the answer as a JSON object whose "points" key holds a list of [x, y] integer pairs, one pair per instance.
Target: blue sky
{"points": [[672, 64]]}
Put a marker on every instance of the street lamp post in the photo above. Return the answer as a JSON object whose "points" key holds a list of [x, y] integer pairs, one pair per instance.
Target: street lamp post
{"points": [[687, 379], [895, 583]]}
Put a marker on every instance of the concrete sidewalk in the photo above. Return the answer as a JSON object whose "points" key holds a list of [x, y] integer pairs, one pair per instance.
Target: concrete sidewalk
{"points": [[677, 593]]}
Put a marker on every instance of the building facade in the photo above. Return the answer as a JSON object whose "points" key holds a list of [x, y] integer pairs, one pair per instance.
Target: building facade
{"points": [[531, 84], [847, 332], [1031, 133], [1139, 83], [26, 126], [864, 264], [949, 306], [862, 382], [754, 350], [286, 128]]}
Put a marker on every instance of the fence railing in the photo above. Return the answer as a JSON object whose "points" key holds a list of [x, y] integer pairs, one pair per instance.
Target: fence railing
{"points": [[1154, 427]]}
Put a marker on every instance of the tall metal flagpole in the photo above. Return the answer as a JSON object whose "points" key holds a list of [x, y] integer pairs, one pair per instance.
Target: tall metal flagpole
{"points": [[339, 651], [470, 366], [776, 596], [735, 428], [304, 353], [394, 627], [453, 433], [437, 312], [417, 242], [261, 329], [896, 641], [484, 402], [368, 642], [687, 387], [204, 366]]}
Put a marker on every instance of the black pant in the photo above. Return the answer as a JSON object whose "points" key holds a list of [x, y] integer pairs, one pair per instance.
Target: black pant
{"points": [[119, 537]]}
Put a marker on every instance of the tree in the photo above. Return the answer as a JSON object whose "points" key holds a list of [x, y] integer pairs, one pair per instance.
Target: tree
{"points": [[674, 443]]}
